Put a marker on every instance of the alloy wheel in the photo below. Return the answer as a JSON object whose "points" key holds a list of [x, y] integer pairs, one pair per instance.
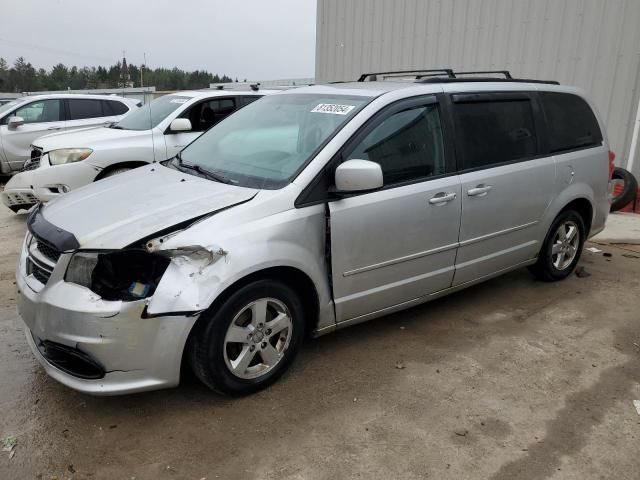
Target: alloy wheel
{"points": [[257, 338], [565, 245]]}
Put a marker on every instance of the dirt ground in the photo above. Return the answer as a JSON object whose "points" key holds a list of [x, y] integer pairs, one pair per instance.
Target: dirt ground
{"points": [[512, 379]]}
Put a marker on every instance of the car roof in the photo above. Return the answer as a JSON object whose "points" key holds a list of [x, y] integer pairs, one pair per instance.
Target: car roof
{"points": [[378, 88], [53, 96], [219, 93]]}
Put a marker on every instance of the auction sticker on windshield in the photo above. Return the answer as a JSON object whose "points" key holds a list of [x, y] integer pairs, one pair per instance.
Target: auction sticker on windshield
{"points": [[333, 108]]}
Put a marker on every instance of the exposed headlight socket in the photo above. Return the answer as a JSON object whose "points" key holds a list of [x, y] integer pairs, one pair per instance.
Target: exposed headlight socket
{"points": [[121, 275]]}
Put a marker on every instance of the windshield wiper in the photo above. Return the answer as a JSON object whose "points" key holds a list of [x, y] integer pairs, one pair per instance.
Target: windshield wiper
{"points": [[203, 171], [115, 127]]}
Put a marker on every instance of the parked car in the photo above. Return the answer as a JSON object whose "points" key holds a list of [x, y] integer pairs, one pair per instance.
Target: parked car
{"points": [[65, 161], [308, 211], [27, 118]]}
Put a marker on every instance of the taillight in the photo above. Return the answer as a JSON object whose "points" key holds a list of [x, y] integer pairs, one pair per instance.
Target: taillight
{"points": [[612, 164]]}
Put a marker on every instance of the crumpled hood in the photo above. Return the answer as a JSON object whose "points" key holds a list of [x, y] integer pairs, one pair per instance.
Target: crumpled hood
{"points": [[91, 137], [122, 209]]}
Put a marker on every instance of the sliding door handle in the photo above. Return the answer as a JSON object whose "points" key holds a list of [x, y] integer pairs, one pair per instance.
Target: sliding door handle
{"points": [[479, 190], [442, 198]]}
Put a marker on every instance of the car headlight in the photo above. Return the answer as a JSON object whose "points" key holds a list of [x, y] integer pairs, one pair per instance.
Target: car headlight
{"points": [[80, 268], [120, 275], [68, 155]]}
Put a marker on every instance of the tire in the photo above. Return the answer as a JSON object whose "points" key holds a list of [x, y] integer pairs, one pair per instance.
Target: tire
{"points": [[238, 367], [115, 171], [629, 191], [550, 266]]}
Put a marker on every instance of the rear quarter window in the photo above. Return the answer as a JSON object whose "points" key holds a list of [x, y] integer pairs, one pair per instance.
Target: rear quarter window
{"points": [[571, 123], [113, 107]]}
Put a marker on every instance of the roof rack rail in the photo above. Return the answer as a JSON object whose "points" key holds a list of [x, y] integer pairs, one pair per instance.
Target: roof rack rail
{"points": [[447, 75], [235, 86], [485, 79], [418, 73], [506, 73]]}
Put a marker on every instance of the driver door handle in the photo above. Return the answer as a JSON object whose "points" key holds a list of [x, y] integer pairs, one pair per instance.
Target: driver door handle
{"points": [[54, 128], [479, 190], [441, 198]]}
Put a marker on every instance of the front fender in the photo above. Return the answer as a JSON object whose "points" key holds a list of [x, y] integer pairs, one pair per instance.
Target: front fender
{"points": [[198, 275]]}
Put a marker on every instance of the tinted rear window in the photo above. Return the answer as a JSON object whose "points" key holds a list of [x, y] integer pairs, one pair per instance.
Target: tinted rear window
{"points": [[112, 107], [84, 108], [570, 121], [493, 132]]}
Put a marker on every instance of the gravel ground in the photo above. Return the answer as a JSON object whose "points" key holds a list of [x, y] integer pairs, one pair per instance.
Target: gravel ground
{"points": [[512, 379]]}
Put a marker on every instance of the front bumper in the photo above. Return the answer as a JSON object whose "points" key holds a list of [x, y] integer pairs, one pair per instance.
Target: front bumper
{"points": [[51, 181], [137, 354], [17, 193]]}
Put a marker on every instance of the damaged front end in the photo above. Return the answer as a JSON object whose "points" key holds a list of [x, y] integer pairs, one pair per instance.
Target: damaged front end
{"points": [[125, 275], [140, 272]]}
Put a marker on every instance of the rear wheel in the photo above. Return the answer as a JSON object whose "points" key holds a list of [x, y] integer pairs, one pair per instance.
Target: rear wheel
{"points": [[250, 340], [561, 250]]}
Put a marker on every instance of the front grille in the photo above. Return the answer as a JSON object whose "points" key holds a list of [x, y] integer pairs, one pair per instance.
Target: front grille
{"points": [[34, 161], [16, 199], [38, 271], [41, 259], [49, 252], [31, 165]]}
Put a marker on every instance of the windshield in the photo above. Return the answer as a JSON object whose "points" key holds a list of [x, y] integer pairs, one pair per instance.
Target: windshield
{"points": [[151, 114], [266, 143], [7, 106]]}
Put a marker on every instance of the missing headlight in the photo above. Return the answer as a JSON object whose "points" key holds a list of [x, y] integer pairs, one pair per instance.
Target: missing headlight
{"points": [[123, 275]]}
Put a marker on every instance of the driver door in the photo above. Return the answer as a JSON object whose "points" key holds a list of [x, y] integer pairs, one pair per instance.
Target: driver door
{"points": [[40, 118], [399, 243]]}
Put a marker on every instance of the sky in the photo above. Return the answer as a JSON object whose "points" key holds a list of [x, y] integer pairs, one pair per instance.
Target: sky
{"points": [[254, 39]]}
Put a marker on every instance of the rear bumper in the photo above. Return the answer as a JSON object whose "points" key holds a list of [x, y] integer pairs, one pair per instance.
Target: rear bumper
{"points": [[134, 354]]}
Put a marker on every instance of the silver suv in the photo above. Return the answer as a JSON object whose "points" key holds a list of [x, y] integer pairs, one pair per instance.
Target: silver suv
{"points": [[308, 211]]}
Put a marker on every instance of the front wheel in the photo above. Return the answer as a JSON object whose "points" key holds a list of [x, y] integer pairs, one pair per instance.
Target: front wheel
{"points": [[562, 248], [250, 340]]}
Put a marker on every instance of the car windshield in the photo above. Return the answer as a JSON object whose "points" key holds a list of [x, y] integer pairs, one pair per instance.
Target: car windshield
{"points": [[151, 114], [7, 106], [269, 141]]}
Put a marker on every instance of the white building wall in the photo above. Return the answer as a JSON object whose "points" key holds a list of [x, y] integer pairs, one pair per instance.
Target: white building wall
{"points": [[594, 44]]}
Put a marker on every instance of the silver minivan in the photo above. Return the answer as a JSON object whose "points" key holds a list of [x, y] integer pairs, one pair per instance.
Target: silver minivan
{"points": [[304, 212]]}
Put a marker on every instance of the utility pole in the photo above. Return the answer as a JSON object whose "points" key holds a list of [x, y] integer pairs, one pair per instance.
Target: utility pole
{"points": [[144, 56]]}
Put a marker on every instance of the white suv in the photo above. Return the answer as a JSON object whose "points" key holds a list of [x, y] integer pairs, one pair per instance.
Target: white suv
{"points": [[27, 118], [65, 161]]}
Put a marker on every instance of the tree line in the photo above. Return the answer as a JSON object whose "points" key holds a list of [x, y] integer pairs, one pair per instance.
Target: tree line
{"points": [[24, 77]]}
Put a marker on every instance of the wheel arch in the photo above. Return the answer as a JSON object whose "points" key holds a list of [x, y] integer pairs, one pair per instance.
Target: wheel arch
{"points": [[293, 277], [130, 164], [584, 207]]}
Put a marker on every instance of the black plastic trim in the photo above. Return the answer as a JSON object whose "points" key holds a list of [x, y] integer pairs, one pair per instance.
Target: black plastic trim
{"points": [[65, 358], [48, 233]]}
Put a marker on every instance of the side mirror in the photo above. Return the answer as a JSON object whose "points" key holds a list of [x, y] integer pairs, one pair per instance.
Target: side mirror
{"points": [[180, 125], [358, 176], [15, 122]]}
